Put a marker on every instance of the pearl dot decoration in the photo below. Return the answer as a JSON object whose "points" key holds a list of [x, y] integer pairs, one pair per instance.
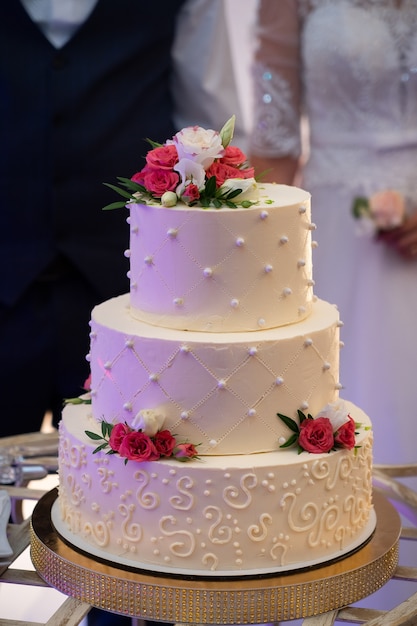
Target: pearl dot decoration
{"points": [[308, 342], [304, 405], [253, 351], [127, 254], [221, 384], [279, 381], [287, 291], [129, 343], [252, 412], [208, 272], [172, 233], [153, 377], [148, 260], [234, 303], [268, 268], [261, 322], [240, 242], [185, 349], [284, 239], [178, 301], [264, 215], [185, 415], [127, 406], [107, 365], [302, 209], [301, 263]]}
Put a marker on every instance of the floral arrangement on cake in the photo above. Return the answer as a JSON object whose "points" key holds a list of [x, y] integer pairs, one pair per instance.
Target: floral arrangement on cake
{"points": [[382, 211], [197, 166], [144, 441], [332, 428]]}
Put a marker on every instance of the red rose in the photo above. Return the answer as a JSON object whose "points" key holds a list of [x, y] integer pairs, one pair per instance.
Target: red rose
{"points": [[316, 435], [185, 451], [163, 157], [136, 446], [345, 436], [233, 156], [164, 442], [222, 172], [190, 193], [118, 433]]}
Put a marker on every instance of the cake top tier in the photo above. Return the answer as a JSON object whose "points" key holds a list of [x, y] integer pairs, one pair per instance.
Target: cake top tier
{"points": [[211, 249]]}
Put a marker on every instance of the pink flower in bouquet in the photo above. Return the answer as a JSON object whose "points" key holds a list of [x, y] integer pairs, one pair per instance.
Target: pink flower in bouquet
{"points": [[162, 157], [387, 209], [118, 433], [87, 383], [158, 181], [185, 451], [190, 194], [223, 172], [316, 435], [136, 446], [345, 435], [234, 156]]}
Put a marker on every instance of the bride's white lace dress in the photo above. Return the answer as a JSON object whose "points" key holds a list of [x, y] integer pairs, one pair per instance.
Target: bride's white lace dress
{"points": [[351, 67]]}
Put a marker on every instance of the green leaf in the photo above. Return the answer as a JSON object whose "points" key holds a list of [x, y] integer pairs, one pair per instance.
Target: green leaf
{"points": [[121, 192], [233, 193], [302, 416], [292, 424], [210, 187], [92, 435], [360, 206], [227, 131], [291, 441], [101, 447], [114, 205]]}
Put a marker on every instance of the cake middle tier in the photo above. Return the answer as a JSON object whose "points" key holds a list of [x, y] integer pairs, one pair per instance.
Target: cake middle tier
{"points": [[220, 391]]}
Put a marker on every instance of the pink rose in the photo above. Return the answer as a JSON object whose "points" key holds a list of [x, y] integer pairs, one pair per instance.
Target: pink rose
{"points": [[190, 194], [158, 181], [136, 446], [345, 436], [233, 156], [163, 157], [316, 435], [118, 433], [164, 442], [139, 177], [222, 172], [87, 383], [185, 451], [387, 209]]}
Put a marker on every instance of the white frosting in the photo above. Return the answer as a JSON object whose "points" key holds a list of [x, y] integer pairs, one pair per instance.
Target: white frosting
{"points": [[223, 270], [230, 385], [245, 506], [218, 515]]}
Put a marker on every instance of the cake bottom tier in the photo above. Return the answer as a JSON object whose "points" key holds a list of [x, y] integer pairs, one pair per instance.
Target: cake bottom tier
{"points": [[214, 516]]}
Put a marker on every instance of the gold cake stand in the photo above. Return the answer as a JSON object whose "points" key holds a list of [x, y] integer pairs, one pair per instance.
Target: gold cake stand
{"points": [[198, 600]]}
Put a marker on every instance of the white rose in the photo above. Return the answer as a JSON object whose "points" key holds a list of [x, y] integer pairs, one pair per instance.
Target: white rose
{"points": [[148, 421], [336, 412], [190, 172], [248, 186], [169, 199], [199, 145]]}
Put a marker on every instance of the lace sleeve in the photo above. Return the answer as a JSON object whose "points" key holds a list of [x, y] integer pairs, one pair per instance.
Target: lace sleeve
{"points": [[276, 81]]}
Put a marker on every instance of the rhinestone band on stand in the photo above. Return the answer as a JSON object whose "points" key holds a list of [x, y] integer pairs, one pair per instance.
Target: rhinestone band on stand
{"points": [[196, 600]]}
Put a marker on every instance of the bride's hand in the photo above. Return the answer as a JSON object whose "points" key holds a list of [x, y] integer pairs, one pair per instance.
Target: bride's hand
{"points": [[403, 239]]}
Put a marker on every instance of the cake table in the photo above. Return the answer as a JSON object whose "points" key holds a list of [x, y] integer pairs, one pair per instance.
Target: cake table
{"points": [[198, 600]]}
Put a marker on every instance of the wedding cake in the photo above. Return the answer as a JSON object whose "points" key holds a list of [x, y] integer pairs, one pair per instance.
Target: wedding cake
{"points": [[212, 439]]}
